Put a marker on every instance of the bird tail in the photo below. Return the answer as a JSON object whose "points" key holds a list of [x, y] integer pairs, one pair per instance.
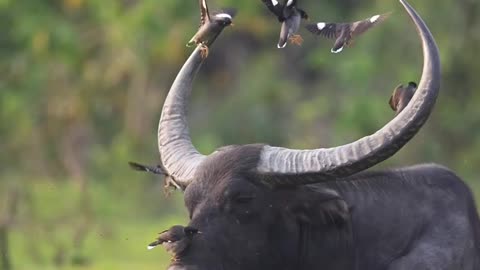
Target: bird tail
{"points": [[153, 245], [382, 17], [146, 168], [338, 46], [282, 41], [191, 43]]}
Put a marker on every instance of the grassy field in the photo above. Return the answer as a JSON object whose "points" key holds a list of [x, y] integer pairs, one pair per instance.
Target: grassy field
{"points": [[54, 231]]}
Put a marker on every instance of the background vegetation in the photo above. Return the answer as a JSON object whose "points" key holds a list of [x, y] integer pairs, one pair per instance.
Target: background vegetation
{"points": [[83, 81]]}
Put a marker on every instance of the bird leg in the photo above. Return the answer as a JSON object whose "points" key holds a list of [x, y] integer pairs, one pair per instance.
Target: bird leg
{"points": [[296, 39], [203, 50], [350, 43]]}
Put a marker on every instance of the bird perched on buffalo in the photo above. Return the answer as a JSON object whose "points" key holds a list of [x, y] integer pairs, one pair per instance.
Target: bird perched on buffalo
{"points": [[175, 240], [401, 96], [158, 169], [211, 25], [290, 16], [344, 33]]}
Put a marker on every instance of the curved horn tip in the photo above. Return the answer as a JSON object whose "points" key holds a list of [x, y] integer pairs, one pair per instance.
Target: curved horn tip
{"points": [[338, 162]]}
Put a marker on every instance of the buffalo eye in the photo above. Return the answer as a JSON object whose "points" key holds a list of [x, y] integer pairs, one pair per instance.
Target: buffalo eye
{"points": [[243, 199]]}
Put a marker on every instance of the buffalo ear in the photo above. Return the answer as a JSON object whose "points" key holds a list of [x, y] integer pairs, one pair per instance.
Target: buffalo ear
{"points": [[320, 207]]}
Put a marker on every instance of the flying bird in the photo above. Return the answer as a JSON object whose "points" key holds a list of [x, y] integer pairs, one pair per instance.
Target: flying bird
{"points": [[345, 33], [211, 25], [401, 96], [175, 240], [290, 16]]}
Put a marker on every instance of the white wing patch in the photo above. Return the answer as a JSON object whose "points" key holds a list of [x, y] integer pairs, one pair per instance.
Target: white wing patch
{"points": [[224, 15], [374, 18], [274, 2], [321, 25], [289, 2], [150, 247]]}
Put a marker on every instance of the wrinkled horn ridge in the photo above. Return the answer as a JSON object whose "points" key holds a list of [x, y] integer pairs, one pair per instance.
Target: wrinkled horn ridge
{"points": [[178, 155], [277, 164]]}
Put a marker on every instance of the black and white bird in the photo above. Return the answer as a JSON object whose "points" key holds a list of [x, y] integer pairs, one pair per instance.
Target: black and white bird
{"points": [[290, 16], [210, 26], [401, 96], [345, 33], [175, 240]]}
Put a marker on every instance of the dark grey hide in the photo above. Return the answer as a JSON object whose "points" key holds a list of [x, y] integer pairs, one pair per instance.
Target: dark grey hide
{"points": [[420, 217]]}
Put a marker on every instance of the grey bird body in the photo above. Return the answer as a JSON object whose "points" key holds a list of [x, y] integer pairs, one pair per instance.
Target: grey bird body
{"points": [[344, 33], [290, 16], [175, 240], [401, 96], [210, 26], [289, 27]]}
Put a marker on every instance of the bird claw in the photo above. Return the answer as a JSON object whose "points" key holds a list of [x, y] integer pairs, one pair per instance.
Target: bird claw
{"points": [[350, 43], [296, 39], [169, 184], [203, 51]]}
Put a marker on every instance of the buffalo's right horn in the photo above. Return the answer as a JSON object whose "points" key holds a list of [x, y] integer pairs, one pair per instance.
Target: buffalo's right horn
{"points": [[178, 155], [282, 166]]}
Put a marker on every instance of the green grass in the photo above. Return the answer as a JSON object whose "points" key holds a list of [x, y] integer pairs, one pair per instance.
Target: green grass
{"points": [[119, 229]]}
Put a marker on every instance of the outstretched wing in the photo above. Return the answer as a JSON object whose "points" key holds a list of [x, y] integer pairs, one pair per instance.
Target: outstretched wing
{"points": [[204, 14], [328, 30], [363, 25], [291, 3], [275, 7]]}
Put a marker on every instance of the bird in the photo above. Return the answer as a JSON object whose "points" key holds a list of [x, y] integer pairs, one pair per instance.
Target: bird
{"points": [[158, 169], [175, 240], [211, 25], [401, 96], [290, 16], [345, 33]]}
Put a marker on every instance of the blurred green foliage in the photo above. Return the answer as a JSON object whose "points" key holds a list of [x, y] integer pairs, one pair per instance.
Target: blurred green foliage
{"points": [[83, 81]]}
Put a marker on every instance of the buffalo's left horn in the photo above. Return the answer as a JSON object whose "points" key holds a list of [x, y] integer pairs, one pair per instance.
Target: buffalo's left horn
{"points": [[178, 155], [280, 166]]}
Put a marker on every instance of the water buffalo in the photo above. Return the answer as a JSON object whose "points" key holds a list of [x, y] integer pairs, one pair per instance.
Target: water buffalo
{"points": [[264, 207]]}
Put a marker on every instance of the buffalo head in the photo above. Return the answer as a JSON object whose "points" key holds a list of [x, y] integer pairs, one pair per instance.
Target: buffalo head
{"points": [[249, 200]]}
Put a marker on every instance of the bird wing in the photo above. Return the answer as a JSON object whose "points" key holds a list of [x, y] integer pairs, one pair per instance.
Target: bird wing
{"points": [[291, 3], [328, 30], [393, 99], [360, 27], [275, 7], [204, 14]]}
